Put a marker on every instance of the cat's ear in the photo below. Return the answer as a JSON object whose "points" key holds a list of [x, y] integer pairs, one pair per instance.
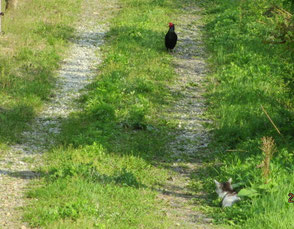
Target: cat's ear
{"points": [[230, 183], [216, 183]]}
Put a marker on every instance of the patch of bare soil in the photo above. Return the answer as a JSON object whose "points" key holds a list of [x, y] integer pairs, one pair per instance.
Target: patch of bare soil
{"points": [[18, 165], [191, 138]]}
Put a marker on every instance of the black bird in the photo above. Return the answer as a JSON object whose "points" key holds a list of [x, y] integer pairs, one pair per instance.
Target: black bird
{"points": [[171, 37]]}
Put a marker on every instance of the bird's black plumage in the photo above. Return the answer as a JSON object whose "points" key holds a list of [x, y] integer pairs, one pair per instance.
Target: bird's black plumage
{"points": [[171, 37]]}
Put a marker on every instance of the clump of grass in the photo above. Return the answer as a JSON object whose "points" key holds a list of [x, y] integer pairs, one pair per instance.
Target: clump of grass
{"points": [[268, 149]]}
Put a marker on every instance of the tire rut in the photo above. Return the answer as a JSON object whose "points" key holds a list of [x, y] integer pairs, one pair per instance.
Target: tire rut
{"points": [[191, 138], [18, 166]]}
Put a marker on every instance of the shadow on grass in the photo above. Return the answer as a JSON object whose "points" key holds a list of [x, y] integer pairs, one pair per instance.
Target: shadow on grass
{"points": [[13, 122], [86, 171], [89, 173], [23, 174], [115, 137], [138, 37], [150, 145]]}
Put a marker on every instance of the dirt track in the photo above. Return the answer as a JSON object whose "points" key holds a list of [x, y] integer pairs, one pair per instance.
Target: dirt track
{"points": [[18, 165], [191, 138]]}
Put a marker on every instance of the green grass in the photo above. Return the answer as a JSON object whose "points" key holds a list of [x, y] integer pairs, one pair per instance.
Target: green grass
{"points": [[36, 35], [108, 162], [108, 166], [248, 73]]}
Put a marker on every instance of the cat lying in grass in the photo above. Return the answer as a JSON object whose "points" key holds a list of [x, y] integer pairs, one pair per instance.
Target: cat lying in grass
{"points": [[227, 193]]}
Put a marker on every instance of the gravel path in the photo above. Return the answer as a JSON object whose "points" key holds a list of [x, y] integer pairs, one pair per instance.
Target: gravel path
{"points": [[18, 165], [191, 138]]}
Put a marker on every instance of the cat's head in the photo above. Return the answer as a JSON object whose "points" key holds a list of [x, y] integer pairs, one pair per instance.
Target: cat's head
{"points": [[223, 188]]}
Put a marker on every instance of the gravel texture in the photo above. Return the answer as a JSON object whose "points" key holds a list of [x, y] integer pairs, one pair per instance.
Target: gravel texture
{"points": [[191, 138], [18, 165]]}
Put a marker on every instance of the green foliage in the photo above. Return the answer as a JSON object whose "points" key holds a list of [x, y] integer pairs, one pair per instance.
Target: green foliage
{"points": [[248, 193], [247, 73]]}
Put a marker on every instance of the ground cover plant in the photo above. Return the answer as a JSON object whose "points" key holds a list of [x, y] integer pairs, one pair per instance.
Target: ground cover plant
{"points": [[250, 86], [35, 35], [105, 171]]}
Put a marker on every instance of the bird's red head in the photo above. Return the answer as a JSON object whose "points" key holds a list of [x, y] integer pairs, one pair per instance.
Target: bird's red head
{"points": [[170, 24]]}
